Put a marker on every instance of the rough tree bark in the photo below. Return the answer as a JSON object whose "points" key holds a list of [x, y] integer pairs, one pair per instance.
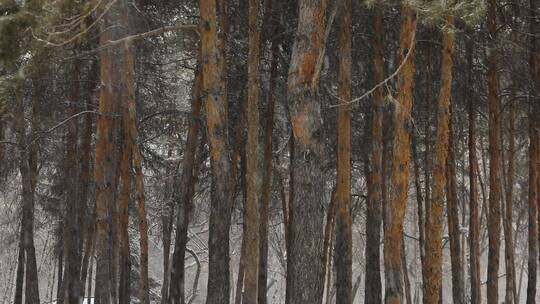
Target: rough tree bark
{"points": [[304, 263], [268, 146], [511, 296], [72, 220], [398, 194], [253, 174], [474, 221], [373, 286], [27, 266], [494, 105], [123, 203], [436, 215], [534, 151], [216, 120], [105, 159], [343, 230], [532, 206]]}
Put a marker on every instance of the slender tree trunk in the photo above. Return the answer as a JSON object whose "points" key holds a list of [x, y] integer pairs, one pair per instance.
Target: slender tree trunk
{"points": [[534, 156], [511, 295], [123, 204], [305, 274], [19, 279], [216, 116], [129, 95], [72, 231], [533, 208], [253, 174], [84, 178], [474, 220], [240, 279], [343, 248], [373, 286], [327, 243], [406, 280], [185, 193], [267, 170], [60, 267], [419, 207], [28, 171], [494, 104], [458, 296], [398, 195]]}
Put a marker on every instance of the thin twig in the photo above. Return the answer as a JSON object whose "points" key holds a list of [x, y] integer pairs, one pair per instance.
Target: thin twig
{"points": [[380, 84], [60, 124]]}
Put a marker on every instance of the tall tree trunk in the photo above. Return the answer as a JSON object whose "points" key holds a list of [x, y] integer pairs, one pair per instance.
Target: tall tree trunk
{"points": [[253, 174], [494, 104], [474, 220], [28, 171], [458, 296], [72, 231], [436, 215], [343, 248], [534, 155], [123, 204], [533, 208], [84, 177], [216, 119], [511, 295], [398, 195], [184, 199], [105, 160], [373, 286], [266, 186], [304, 263], [167, 229], [129, 95]]}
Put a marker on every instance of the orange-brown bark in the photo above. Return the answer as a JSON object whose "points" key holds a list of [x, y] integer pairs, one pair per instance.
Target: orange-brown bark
{"points": [[216, 121], [305, 274], [398, 194], [434, 232]]}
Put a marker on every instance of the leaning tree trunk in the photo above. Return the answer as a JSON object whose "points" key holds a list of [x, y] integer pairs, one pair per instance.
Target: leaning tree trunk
{"points": [[185, 193], [398, 195], [494, 104], [343, 247], [305, 274], [373, 288]]}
